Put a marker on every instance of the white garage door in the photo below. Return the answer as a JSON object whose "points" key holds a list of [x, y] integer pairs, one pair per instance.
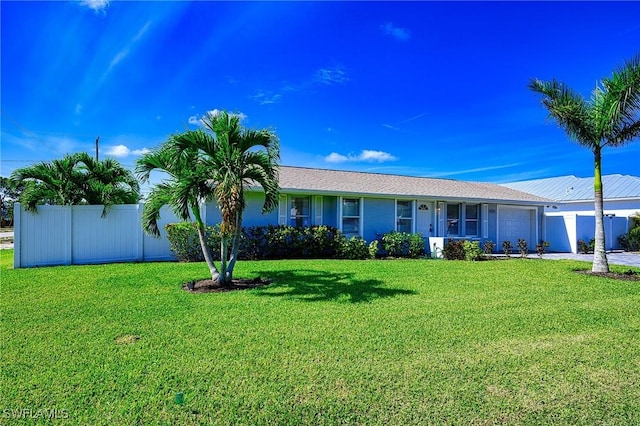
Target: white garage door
{"points": [[515, 223]]}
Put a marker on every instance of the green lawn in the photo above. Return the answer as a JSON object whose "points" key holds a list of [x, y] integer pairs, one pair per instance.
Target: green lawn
{"points": [[523, 341]]}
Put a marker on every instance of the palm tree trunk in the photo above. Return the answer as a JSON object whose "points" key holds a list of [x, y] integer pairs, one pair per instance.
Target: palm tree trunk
{"points": [[224, 255], [235, 245], [208, 257], [600, 263]]}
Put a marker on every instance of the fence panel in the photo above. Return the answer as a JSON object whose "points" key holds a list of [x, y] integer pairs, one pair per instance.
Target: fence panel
{"points": [[65, 235]]}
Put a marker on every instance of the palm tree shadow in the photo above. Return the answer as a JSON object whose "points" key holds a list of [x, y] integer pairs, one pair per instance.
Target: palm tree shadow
{"points": [[315, 286]]}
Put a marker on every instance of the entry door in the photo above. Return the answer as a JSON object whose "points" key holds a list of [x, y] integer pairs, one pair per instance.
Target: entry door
{"points": [[424, 215]]}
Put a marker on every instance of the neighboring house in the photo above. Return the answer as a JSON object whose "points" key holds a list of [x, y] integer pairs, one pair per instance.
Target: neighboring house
{"points": [[371, 204], [571, 215]]}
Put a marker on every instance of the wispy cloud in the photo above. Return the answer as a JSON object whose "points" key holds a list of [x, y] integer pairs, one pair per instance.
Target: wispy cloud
{"points": [[405, 121], [401, 34], [476, 170], [326, 76], [266, 98], [124, 52], [331, 76], [365, 156], [96, 5], [122, 151]]}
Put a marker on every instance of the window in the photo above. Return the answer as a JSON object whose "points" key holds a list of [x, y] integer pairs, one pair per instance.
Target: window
{"points": [[471, 219], [404, 211], [299, 211], [453, 220], [351, 217]]}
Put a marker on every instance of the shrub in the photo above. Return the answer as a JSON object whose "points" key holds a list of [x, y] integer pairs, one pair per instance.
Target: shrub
{"points": [[289, 242], [541, 247], [585, 248], [454, 250], [506, 248], [416, 246], [523, 248], [631, 240], [488, 247], [472, 250], [373, 249], [185, 243], [402, 244], [352, 248]]}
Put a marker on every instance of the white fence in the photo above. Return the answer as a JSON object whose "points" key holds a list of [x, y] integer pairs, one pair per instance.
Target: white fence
{"points": [[67, 235], [563, 231]]}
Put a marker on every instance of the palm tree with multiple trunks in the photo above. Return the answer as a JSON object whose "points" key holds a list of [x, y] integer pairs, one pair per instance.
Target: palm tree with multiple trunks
{"points": [[217, 162], [610, 118]]}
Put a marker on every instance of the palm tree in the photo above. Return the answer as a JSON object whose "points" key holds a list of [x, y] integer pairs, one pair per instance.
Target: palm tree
{"points": [[108, 182], [77, 179], [215, 163], [56, 182], [611, 117]]}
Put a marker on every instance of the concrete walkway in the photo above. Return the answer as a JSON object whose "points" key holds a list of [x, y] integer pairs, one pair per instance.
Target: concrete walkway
{"points": [[614, 258]]}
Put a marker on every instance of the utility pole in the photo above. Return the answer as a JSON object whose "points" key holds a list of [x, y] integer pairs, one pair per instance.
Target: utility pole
{"points": [[97, 139]]}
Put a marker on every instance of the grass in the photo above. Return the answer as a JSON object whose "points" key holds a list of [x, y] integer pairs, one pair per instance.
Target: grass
{"points": [[524, 341]]}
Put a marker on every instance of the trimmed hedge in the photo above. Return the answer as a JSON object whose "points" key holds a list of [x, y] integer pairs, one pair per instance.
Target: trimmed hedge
{"points": [[289, 242]]}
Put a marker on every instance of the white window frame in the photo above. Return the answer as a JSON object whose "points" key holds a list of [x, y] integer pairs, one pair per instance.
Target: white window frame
{"points": [[359, 217], [476, 220], [411, 219], [305, 217]]}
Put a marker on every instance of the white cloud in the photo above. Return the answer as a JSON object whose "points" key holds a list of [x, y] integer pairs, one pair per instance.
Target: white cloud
{"points": [[96, 5], [78, 109], [194, 120], [121, 151], [330, 76], [141, 151], [334, 157], [365, 156], [401, 34]]}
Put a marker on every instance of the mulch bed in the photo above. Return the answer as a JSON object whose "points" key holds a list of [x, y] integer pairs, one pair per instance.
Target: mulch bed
{"points": [[625, 276], [209, 286]]}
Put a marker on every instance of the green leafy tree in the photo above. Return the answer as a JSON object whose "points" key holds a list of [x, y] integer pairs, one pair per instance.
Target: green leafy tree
{"points": [[76, 179], [9, 194], [217, 162], [611, 117]]}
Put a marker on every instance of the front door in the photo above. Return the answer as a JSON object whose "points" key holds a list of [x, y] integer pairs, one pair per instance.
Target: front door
{"points": [[424, 224]]}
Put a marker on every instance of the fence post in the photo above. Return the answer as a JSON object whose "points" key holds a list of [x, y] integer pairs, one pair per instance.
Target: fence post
{"points": [[17, 213], [139, 233]]}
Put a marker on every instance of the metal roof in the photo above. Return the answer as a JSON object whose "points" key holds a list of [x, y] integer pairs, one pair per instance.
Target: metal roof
{"points": [[308, 180], [572, 188]]}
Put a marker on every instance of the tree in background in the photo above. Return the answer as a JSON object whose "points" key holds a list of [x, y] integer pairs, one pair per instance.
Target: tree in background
{"points": [[9, 194], [611, 117], [217, 162], [76, 179]]}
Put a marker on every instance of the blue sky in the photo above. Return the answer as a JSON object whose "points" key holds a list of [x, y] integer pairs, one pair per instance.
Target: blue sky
{"points": [[433, 89]]}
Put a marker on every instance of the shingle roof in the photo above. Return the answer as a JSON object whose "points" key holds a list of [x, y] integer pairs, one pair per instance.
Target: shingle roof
{"points": [[571, 188], [299, 179]]}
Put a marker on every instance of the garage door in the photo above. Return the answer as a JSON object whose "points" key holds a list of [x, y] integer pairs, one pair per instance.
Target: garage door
{"points": [[515, 223]]}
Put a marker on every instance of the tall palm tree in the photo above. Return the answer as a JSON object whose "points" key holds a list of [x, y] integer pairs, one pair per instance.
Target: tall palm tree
{"points": [[215, 163], [611, 117]]}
